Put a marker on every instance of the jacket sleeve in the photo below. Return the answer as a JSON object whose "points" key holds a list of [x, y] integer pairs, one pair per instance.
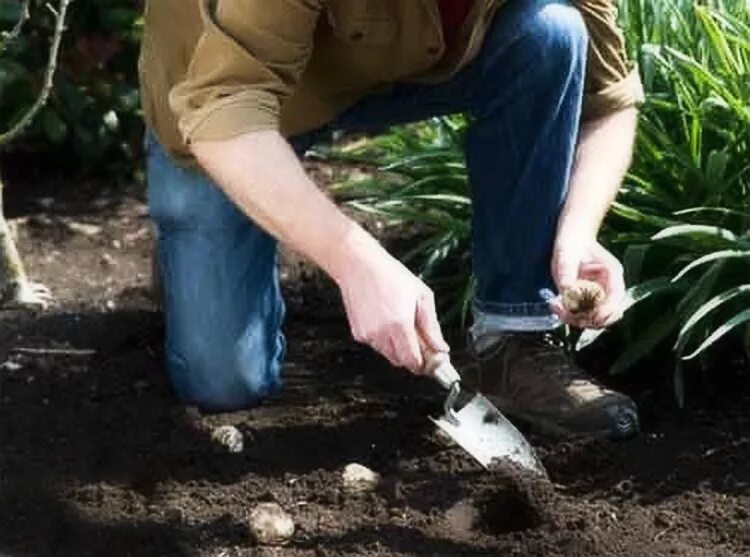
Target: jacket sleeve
{"points": [[248, 59], [612, 80]]}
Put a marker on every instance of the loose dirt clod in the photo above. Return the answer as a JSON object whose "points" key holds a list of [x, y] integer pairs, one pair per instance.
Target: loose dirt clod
{"points": [[359, 479], [230, 438], [270, 524], [523, 501], [582, 297]]}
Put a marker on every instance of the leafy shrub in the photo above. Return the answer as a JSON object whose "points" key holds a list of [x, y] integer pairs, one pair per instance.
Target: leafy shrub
{"points": [[92, 120], [682, 220]]}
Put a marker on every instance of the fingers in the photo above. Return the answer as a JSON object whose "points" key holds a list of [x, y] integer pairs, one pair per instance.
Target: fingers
{"points": [[418, 328], [406, 343], [610, 311], [566, 264], [598, 265], [578, 321], [602, 316], [609, 273], [613, 274], [396, 340], [428, 325], [392, 311]]}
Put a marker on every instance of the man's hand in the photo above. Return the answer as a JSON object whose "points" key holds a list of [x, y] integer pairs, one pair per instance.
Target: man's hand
{"points": [[389, 308], [573, 260], [602, 158]]}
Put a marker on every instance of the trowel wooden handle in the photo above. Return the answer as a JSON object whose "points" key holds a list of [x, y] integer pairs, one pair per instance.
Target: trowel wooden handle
{"points": [[438, 365]]}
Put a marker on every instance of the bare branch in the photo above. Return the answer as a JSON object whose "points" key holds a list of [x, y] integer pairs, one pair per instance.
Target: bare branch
{"points": [[49, 76], [53, 351], [12, 35]]}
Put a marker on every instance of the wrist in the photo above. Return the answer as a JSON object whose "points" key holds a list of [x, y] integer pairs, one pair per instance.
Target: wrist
{"points": [[576, 230], [352, 251]]}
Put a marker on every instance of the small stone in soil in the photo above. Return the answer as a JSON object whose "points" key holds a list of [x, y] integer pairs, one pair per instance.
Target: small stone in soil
{"points": [[107, 260], [10, 365], [84, 228], [359, 479], [230, 438], [270, 524]]}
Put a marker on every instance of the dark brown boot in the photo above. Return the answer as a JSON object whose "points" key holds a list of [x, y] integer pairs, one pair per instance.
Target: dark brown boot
{"points": [[530, 376]]}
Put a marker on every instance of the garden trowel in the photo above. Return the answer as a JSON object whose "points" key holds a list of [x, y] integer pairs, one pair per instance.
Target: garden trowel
{"points": [[477, 426]]}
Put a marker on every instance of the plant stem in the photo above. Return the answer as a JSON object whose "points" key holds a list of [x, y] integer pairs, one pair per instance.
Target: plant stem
{"points": [[49, 75], [12, 35]]}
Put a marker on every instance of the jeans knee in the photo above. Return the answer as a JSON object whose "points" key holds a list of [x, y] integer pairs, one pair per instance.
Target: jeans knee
{"points": [[181, 197], [559, 32], [225, 380]]}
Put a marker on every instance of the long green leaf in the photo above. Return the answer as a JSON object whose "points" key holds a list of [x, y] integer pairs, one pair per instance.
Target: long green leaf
{"points": [[718, 41], [715, 256], [637, 216], [724, 211], [686, 333], [700, 291], [651, 336], [695, 231], [633, 259], [736, 321]]}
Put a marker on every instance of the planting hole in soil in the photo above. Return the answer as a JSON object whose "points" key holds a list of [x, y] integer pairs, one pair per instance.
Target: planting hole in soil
{"points": [[524, 500], [508, 511], [519, 501], [495, 513]]}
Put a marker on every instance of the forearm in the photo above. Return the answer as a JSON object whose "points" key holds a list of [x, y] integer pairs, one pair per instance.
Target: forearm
{"points": [[387, 306], [263, 176], [602, 159]]}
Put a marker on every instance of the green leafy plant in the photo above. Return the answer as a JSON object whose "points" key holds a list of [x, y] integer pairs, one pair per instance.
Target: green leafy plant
{"points": [[682, 220], [421, 181], [681, 223]]}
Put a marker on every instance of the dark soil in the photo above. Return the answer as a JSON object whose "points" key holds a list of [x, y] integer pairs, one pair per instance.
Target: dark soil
{"points": [[98, 458]]}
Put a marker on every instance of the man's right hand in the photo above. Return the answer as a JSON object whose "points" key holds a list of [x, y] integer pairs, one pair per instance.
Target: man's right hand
{"points": [[389, 308]]}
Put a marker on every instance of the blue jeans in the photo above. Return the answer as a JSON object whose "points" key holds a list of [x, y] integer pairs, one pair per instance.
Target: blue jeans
{"points": [[223, 305]]}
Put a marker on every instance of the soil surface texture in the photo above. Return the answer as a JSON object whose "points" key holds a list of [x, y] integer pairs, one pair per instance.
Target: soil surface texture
{"points": [[97, 457]]}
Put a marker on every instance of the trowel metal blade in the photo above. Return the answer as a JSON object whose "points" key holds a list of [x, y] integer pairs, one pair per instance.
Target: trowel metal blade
{"points": [[487, 435]]}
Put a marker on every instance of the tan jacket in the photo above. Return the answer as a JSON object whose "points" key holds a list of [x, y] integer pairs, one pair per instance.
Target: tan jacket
{"points": [[215, 69]]}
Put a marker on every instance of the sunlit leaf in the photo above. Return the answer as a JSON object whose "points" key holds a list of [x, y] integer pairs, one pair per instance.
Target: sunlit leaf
{"points": [[685, 333], [739, 319]]}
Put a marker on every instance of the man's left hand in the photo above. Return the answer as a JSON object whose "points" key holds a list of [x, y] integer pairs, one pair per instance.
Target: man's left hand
{"points": [[575, 259]]}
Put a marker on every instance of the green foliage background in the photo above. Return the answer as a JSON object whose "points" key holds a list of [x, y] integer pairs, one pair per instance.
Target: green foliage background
{"points": [[681, 223], [92, 122]]}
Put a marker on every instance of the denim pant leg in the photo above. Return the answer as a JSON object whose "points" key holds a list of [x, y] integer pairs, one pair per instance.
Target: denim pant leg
{"points": [[223, 306], [520, 151], [523, 93]]}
